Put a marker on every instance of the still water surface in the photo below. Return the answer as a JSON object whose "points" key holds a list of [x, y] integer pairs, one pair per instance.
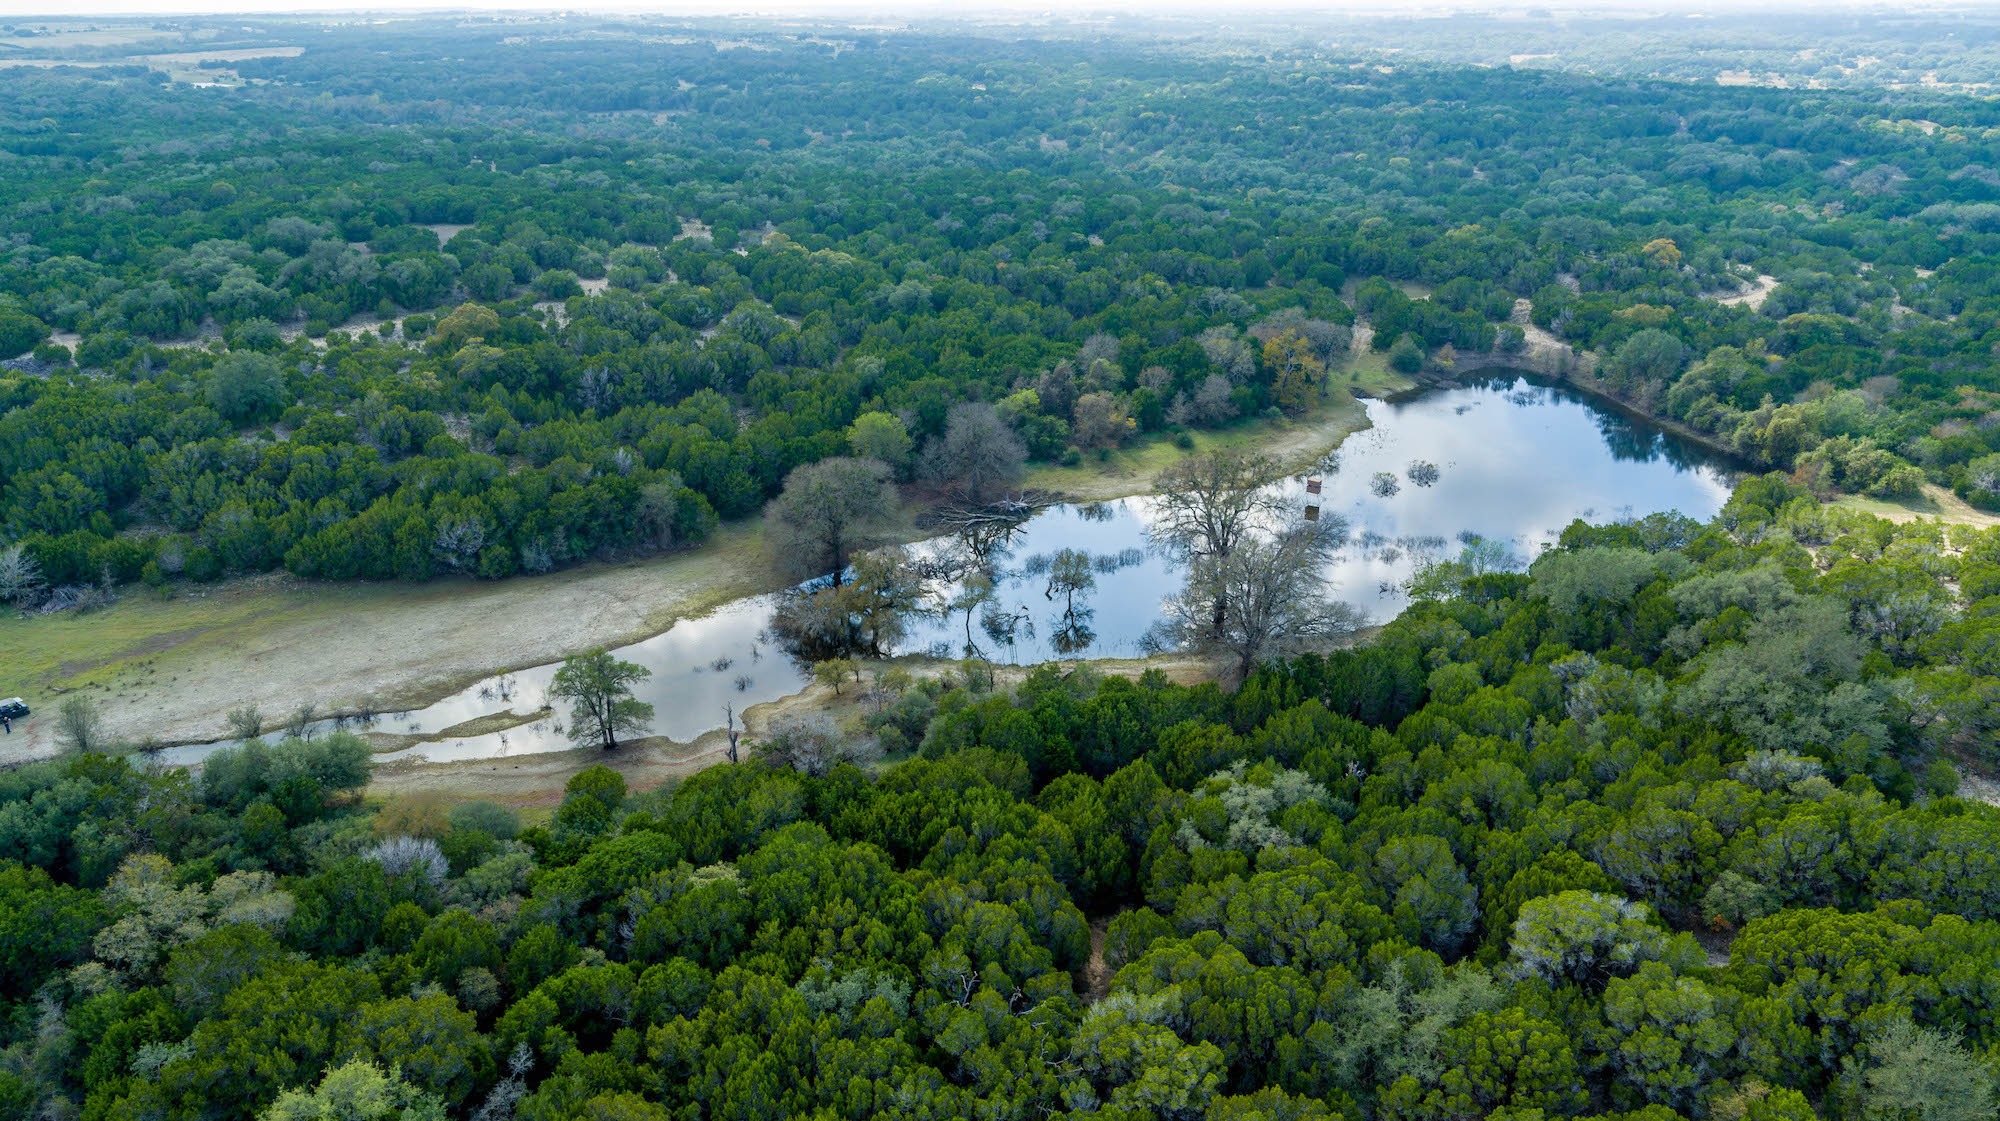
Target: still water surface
{"points": [[1516, 462]]}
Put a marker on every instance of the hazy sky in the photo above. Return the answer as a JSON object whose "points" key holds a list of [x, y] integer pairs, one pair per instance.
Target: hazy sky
{"points": [[88, 8]]}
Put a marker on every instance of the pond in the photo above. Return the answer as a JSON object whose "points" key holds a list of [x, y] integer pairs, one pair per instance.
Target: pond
{"points": [[1514, 462]]}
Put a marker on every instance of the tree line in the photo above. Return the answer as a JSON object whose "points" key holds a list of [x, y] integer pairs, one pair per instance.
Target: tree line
{"points": [[767, 286], [1665, 826]]}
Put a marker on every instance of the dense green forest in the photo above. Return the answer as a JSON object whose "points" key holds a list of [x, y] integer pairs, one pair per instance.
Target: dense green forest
{"points": [[1683, 821], [1663, 828], [493, 296]]}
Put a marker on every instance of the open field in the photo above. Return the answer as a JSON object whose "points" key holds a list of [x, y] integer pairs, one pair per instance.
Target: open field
{"points": [[179, 66], [169, 670], [1937, 502]]}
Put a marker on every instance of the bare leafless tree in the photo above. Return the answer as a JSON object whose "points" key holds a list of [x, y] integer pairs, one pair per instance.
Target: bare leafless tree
{"points": [[300, 726], [20, 575], [1207, 507], [1271, 595], [828, 512], [978, 457], [810, 747], [245, 723], [78, 728]]}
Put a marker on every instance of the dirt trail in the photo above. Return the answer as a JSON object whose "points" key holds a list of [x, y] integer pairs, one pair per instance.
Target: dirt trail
{"points": [[1097, 972], [1754, 297]]}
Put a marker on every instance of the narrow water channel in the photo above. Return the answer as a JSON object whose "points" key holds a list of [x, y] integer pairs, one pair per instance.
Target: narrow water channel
{"points": [[1514, 462]]}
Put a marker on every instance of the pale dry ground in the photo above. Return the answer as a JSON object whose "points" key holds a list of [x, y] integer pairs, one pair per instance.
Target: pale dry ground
{"points": [[1544, 351], [1978, 787], [1753, 298], [538, 779], [171, 671], [1937, 504], [1097, 971], [445, 231]]}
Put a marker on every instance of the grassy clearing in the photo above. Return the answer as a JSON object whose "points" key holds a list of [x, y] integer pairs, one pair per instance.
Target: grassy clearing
{"points": [[68, 650], [1936, 502], [1368, 374], [1294, 443], [168, 670], [74, 650]]}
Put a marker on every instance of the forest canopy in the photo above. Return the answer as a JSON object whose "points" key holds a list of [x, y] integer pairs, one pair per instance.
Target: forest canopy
{"points": [[354, 312], [1681, 821], [1666, 827]]}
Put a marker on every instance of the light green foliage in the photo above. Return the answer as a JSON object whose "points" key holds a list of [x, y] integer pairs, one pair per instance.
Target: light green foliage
{"points": [[1648, 356], [1434, 904], [1593, 578], [1585, 937], [1255, 802], [1673, 1034], [1793, 680], [1913, 1073], [1133, 1062], [881, 437], [1505, 1059], [155, 915], [356, 1091], [492, 818], [246, 386], [1400, 1028]]}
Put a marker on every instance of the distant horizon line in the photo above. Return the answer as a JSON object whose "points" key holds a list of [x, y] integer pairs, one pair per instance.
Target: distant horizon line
{"points": [[929, 12]]}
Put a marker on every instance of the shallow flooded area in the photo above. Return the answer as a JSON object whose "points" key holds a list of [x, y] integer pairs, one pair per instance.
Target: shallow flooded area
{"points": [[1506, 460]]}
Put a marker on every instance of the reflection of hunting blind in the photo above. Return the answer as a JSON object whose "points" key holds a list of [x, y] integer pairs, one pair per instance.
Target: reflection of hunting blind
{"points": [[1312, 508], [1312, 485]]}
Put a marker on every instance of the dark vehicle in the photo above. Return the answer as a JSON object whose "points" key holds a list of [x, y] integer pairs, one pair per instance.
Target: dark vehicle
{"points": [[13, 708]]}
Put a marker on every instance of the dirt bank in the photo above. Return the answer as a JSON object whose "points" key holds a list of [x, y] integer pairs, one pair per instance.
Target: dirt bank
{"points": [[170, 671], [1294, 444], [538, 779]]}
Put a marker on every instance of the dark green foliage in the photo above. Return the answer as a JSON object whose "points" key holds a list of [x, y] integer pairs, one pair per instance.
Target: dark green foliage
{"points": [[1355, 886], [1018, 264], [1453, 873]]}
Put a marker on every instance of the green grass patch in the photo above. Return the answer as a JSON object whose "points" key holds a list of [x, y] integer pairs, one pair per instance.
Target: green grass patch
{"points": [[65, 649], [1889, 508], [1935, 502], [1294, 442], [142, 634]]}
